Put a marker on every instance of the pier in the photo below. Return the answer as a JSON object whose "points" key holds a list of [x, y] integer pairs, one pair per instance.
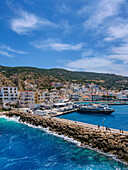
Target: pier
{"points": [[109, 141], [64, 113]]}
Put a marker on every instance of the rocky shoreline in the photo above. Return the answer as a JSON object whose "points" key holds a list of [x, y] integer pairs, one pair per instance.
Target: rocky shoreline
{"points": [[106, 141]]}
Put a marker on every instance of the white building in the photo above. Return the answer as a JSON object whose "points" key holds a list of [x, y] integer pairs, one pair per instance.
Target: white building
{"points": [[26, 99], [121, 96], [74, 97], [9, 95], [95, 97], [118, 95]]}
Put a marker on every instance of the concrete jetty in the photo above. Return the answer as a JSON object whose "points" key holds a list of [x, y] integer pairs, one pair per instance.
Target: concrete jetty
{"points": [[64, 113], [107, 141]]}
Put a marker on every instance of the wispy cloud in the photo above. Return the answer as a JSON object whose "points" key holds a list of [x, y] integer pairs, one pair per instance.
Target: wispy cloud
{"points": [[104, 19], [7, 48], [105, 9], [119, 53], [27, 22], [5, 53], [98, 64], [9, 52], [64, 9], [66, 26], [116, 61], [122, 49], [55, 44], [86, 52], [119, 31], [91, 64]]}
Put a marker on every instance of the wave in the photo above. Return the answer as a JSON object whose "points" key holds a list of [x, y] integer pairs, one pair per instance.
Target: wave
{"points": [[16, 119]]}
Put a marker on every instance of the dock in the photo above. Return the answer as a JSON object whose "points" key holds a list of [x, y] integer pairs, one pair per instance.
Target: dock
{"points": [[91, 126], [64, 113]]}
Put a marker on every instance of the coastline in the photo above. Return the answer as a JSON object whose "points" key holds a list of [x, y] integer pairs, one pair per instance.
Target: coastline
{"points": [[83, 134]]}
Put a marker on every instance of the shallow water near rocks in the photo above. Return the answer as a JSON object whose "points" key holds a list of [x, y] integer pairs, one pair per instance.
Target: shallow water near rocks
{"points": [[24, 147]]}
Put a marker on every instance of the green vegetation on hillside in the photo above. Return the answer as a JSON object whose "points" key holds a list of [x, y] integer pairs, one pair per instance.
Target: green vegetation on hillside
{"points": [[43, 77]]}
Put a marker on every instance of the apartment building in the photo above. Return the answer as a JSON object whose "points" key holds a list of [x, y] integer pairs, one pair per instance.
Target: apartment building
{"points": [[9, 95], [95, 97], [30, 99], [26, 99], [38, 98]]}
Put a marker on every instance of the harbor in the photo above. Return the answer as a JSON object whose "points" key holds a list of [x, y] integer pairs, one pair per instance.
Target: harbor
{"points": [[111, 121], [117, 120], [66, 108]]}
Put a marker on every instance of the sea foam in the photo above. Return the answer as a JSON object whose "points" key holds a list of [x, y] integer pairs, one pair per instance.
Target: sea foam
{"points": [[16, 119]]}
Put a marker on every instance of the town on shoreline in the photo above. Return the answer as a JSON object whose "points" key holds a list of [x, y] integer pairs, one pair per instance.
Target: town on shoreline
{"points": [[60, 95], [40, 108]]}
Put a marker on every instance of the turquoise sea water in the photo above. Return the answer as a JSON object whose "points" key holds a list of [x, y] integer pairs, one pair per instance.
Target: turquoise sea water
{"points": [[117, 120], [24, 147]]}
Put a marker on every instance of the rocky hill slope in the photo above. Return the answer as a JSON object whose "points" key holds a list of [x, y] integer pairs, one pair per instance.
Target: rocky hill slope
{"points": [[32, 77]]}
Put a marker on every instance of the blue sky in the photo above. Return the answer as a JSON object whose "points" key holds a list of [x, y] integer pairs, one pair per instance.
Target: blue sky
{"points": [[82, 35]]}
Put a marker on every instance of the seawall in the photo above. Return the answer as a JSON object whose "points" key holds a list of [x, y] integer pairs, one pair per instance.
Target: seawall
{"points": [[107, 141]]}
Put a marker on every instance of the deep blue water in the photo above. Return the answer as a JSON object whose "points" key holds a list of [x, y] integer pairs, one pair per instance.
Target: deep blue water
{"points": [[117, 120], [23, 147]]}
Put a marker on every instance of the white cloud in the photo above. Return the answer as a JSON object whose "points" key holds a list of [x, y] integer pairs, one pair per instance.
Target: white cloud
{"points": [[66, 26], [86, 9], [118, 31], [123, 49], [119, 53], [3, 46], [5, 53], [57, 45], [64, 9], [115, 62], [123, 58], [105, 9], [9, 52], [27, 22], [99, 65], [88, 63], [87, 53]]}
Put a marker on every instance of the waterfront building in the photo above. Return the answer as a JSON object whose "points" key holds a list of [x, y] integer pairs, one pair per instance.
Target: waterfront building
{"points": [[74, 97], [121, 96], [118, 96], [95, 97], [38, 97], [26, 99], [9, 95], [86, 98]]}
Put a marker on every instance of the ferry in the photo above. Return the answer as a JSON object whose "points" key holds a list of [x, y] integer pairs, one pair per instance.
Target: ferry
{"points": [[96, 109]]}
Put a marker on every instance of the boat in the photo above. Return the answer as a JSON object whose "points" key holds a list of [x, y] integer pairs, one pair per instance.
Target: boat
{"points": [[96, 109]]}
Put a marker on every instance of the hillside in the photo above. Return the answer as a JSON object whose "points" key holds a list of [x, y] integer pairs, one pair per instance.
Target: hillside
{"points": [[32, 77]]}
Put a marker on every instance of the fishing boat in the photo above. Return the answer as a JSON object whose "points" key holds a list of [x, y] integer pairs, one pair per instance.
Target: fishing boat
{"points": [[96, 109]]}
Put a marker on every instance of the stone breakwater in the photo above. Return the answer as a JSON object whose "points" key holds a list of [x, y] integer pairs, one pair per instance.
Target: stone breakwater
{"points": [[108, 142]]}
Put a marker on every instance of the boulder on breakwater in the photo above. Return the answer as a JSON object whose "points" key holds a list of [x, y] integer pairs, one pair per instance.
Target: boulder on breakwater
{"points": [[112, 142]]}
